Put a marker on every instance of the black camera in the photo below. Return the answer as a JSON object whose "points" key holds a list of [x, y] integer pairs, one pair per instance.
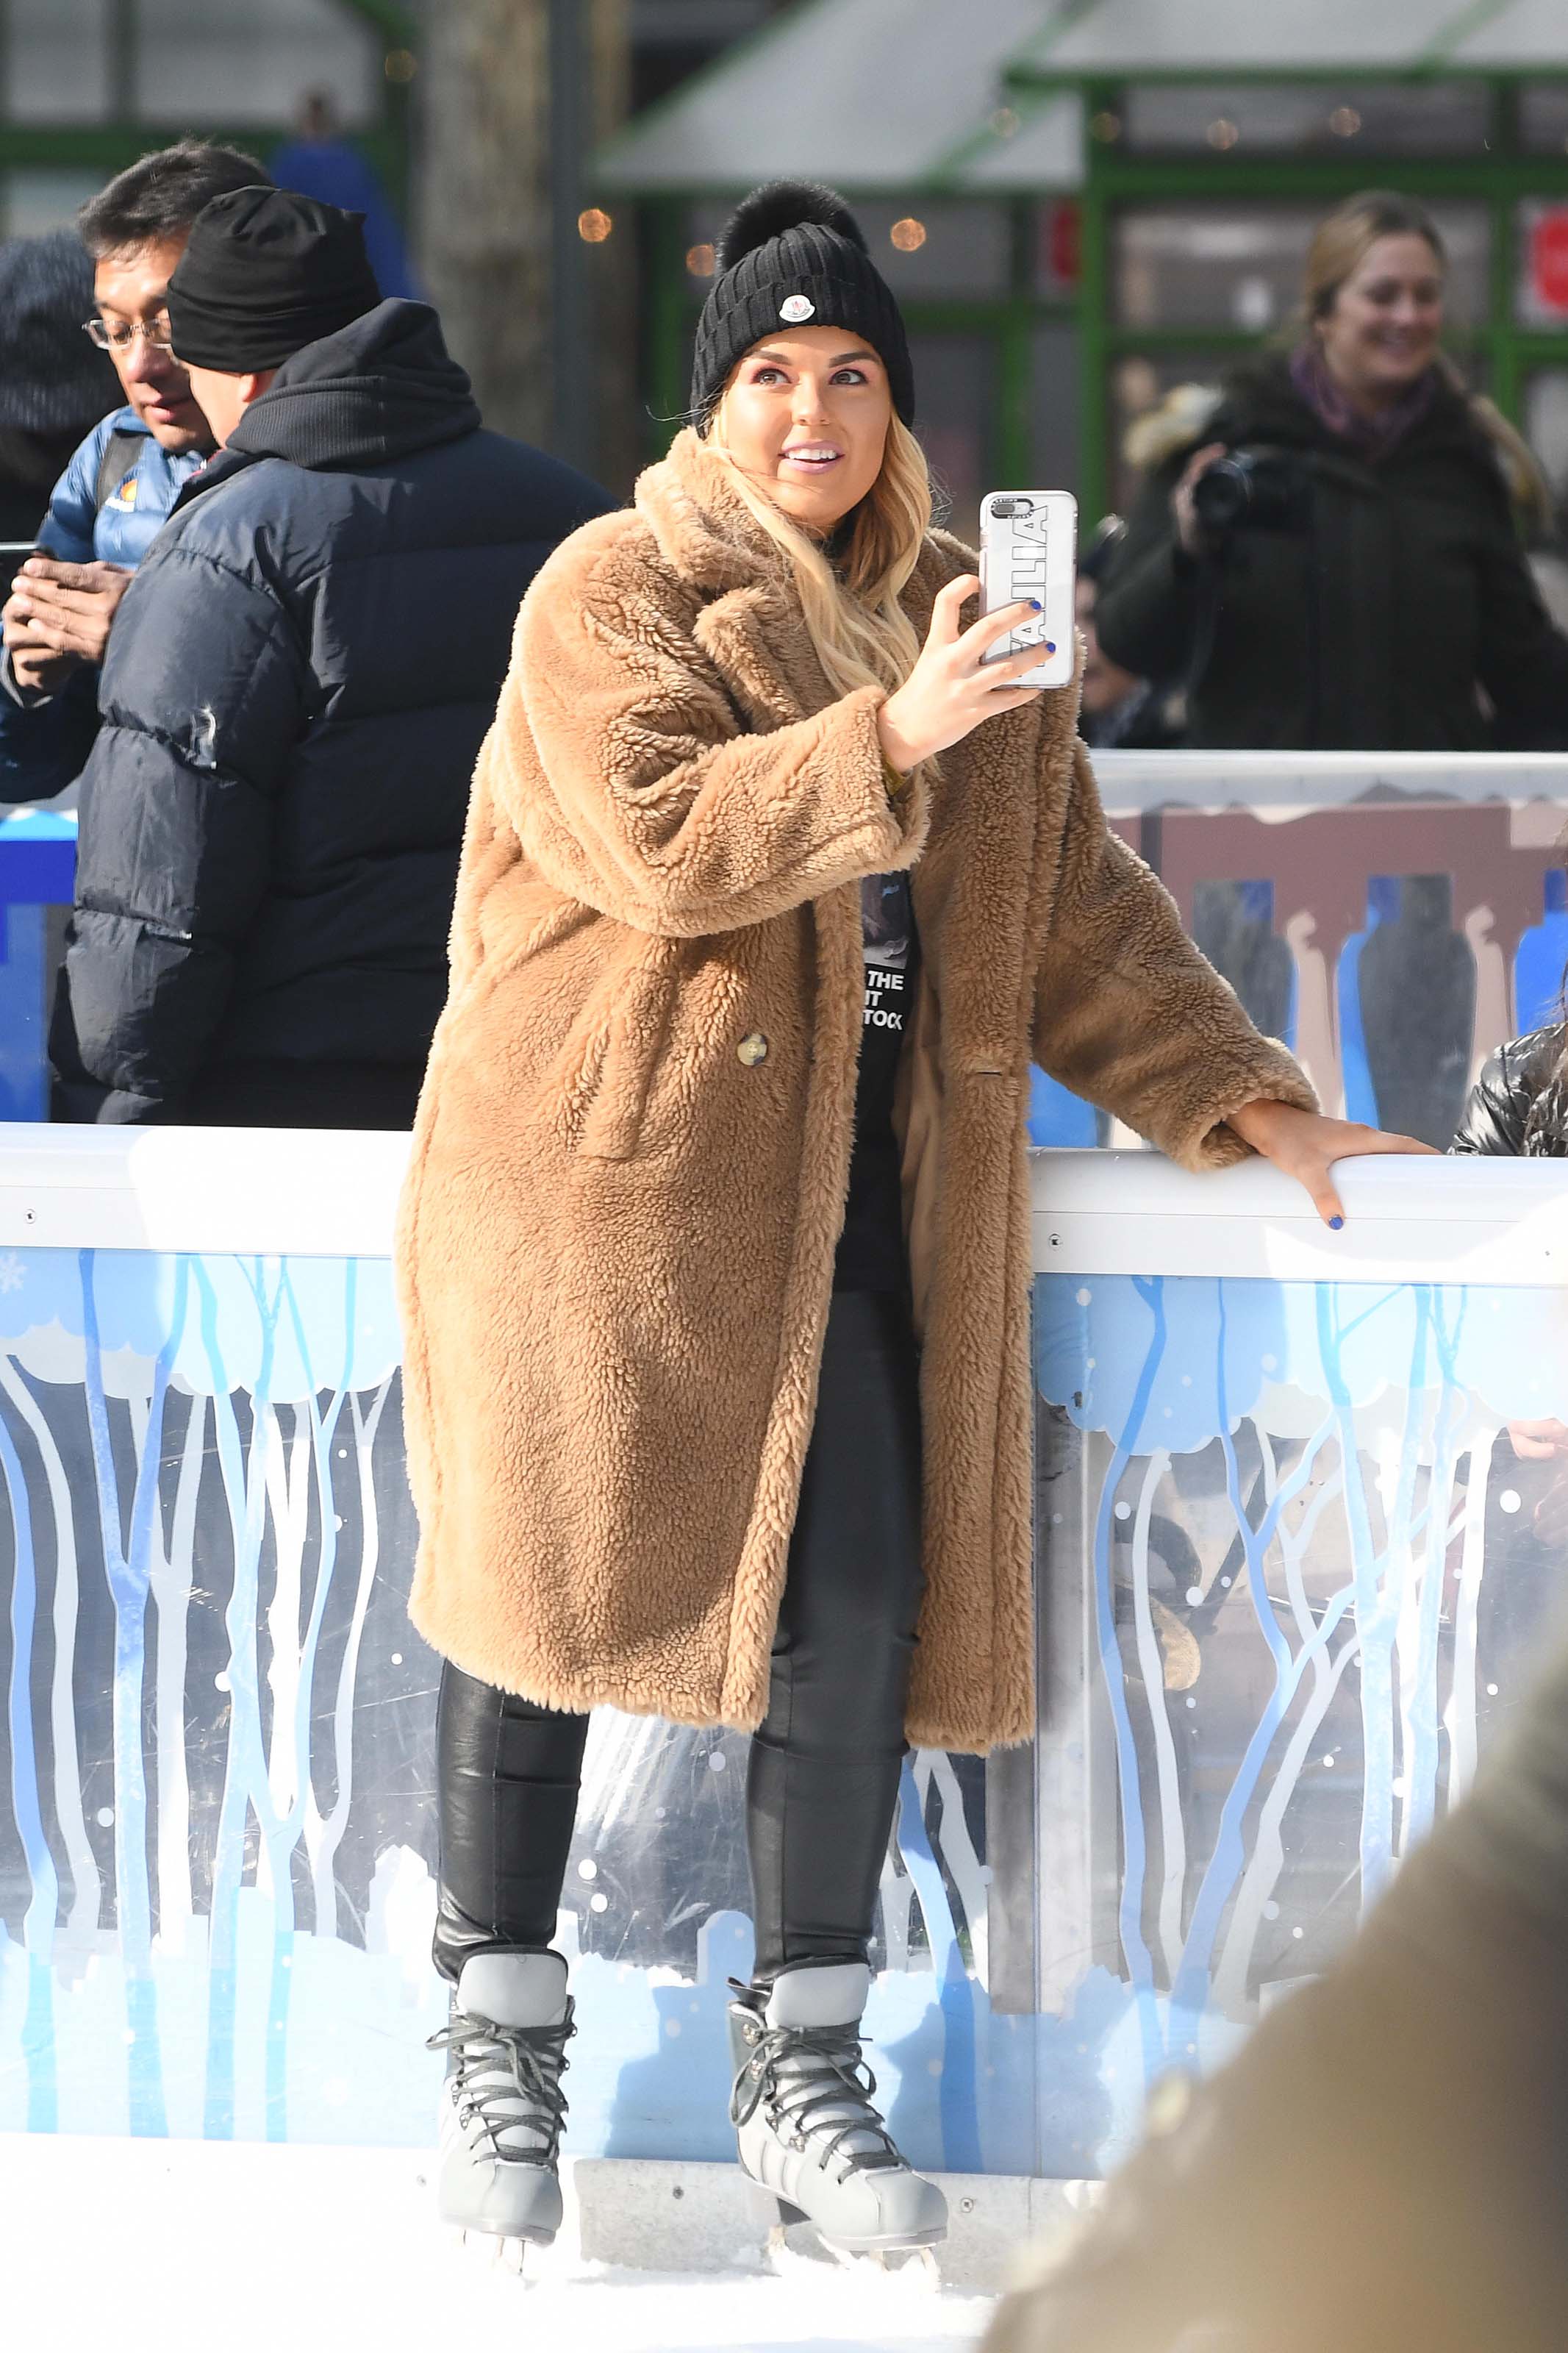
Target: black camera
{"points": [[1259, 488]]}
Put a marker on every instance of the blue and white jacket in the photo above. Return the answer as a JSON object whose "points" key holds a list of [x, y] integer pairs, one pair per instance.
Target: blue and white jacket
{"points": [[44, 744]]}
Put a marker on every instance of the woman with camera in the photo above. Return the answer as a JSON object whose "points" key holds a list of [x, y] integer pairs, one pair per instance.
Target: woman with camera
{"points": [[1336, 565]]}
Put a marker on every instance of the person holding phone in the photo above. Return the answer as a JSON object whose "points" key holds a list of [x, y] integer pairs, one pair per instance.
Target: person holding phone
{"points": [[714, 1252], [119, 483]]}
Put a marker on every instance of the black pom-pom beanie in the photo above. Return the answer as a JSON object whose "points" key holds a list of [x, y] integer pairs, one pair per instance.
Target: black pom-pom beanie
{"points": [[794, 256]]}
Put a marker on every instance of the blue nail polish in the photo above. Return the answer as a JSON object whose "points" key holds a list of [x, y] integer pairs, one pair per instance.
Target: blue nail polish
{"points": [[1035, 605], [1334, 1224]]}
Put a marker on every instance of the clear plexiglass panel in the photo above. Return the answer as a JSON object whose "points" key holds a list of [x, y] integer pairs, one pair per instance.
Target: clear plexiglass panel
{"points": [[57, 66], [1294, 1573], [217, 1830], [1293, 1567], [1238, 265], [253, 65], [1327, 118]]}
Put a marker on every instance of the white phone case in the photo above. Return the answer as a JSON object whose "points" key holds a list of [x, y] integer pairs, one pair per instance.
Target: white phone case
{"points": [[1028, 544]]}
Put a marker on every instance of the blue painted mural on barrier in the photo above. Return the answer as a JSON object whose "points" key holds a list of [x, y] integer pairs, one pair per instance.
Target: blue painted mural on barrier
{"points": [[217, 1857], [1316, 1565], [1318, 1569]]}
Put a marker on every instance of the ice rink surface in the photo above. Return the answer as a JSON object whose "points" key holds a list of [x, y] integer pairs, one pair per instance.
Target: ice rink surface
{"points": [[164, 2246]]}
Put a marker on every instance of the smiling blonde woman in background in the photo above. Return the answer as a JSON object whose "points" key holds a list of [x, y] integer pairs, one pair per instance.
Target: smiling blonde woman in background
{"points": [[715, 1250], [1362, 588]]}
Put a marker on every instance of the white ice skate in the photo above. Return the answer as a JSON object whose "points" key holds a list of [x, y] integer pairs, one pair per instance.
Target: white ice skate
{"points": [[810, 2141], [502, 2108]]}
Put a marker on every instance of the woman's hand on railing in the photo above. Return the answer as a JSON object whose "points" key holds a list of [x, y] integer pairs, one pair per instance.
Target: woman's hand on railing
{"points": [[947, 694], [1306, 1145]]}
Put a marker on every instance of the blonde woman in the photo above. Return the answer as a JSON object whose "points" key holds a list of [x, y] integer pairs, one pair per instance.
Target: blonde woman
{"points": [[1359, 583], [715, 1250]]}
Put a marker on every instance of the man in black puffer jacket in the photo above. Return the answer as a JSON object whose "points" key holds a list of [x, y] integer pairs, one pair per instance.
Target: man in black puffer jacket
{"points": [[297, 687]]}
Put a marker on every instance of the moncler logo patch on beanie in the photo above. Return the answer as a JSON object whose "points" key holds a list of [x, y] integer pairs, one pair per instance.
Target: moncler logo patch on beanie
{"points": [[795, 252]]}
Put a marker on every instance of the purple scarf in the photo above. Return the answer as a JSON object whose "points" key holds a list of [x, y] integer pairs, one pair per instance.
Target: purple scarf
{"points": [[1371, 438]]}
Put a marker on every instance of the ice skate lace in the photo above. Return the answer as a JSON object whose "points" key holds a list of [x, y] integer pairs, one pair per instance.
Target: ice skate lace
{"points": [[799, 2072], [526, 2063]]}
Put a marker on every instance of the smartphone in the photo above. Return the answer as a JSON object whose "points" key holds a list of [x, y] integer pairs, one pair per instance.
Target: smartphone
{"points": [[1028, 545]]}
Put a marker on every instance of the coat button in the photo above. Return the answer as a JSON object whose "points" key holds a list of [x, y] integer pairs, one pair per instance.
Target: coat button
{"points": [[752, 1049]]}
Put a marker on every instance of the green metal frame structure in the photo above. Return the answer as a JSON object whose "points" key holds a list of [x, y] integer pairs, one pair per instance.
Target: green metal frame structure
{"points": [[1499, 179], [109, 146]]}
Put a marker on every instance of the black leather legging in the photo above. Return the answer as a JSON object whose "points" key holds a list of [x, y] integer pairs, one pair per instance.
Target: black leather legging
{"points": [[823, 1779]]}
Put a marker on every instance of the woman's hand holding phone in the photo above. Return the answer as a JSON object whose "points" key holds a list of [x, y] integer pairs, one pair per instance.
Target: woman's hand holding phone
{"points": [[947, 694]]}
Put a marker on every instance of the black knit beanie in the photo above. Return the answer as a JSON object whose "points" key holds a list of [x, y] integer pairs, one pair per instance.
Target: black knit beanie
{"points": [[794, 256], [265, 273]]}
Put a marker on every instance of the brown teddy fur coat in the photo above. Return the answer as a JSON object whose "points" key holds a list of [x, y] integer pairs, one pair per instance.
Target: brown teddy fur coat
{"points": [[618, 1238]]}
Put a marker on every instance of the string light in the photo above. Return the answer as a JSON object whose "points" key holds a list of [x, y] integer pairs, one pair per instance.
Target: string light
{"points": [[1105, 126], [908, 235], [593, 226], [1222, 133], [400, 65], [701, 261], [1344, 122]]}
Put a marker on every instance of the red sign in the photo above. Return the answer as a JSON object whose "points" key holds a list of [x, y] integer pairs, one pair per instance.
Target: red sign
{"points": [[1064, 237], [1549, 259]]}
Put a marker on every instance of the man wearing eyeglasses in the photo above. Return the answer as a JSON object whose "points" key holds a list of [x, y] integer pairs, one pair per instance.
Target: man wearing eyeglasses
{"points": [[116, 493]]}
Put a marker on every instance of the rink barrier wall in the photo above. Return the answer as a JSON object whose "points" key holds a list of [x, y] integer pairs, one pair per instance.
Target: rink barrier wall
{"points": [[1291, 1574]]}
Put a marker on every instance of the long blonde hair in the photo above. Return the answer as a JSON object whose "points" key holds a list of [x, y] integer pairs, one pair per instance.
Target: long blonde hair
{"points": [[859, 631], [1341, 243]]}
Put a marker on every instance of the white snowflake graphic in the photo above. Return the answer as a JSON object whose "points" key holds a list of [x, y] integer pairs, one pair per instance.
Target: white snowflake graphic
{"points": [[13, 1274]]}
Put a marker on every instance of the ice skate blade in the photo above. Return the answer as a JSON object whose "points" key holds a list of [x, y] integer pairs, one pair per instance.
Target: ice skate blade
{"points": [[921, 2244], [771, 2212], [505, 2250], [917, 2255]]}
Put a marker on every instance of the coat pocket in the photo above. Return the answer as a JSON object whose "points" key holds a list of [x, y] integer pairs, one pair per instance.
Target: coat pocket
{"points": [[606, 1101]]}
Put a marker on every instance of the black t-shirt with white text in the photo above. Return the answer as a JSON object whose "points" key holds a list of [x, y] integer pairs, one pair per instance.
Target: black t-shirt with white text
{"points": [[871, 1254]]}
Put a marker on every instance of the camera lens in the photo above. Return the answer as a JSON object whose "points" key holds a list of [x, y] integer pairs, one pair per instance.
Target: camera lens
{"points": [[1222, 495]]}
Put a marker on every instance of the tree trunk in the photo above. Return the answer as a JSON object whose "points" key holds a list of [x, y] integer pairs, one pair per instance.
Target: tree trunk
{"points": [[612, 272], [485, 207]]}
